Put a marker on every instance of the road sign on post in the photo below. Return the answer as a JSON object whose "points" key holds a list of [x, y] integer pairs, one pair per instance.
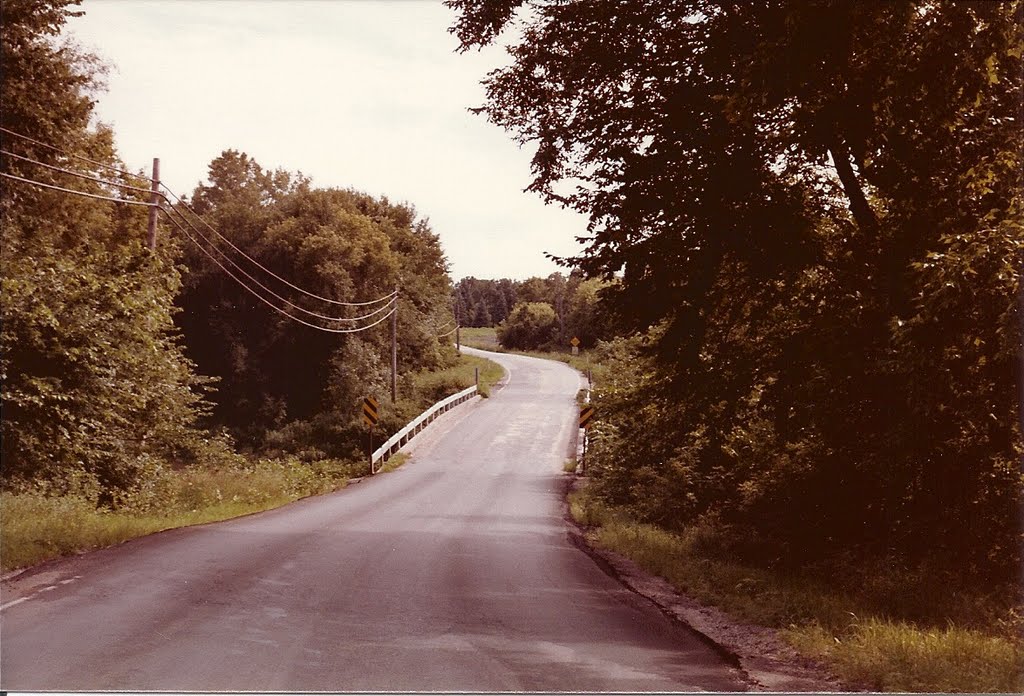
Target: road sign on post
{"points": [[586, 419], [371, 411], [575, 343], [586, 416]]}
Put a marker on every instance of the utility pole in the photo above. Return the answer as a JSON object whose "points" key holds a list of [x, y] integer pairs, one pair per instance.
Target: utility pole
{"points": [[394, 350], [458, 341], [154, 202]]}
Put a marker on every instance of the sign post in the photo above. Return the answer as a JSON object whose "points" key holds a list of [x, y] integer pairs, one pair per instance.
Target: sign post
{"points": [[575, 343], [371, 416], [586, 419]]}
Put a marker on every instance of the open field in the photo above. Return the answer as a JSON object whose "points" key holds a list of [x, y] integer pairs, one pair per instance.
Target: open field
{"points": [[484, 338]]}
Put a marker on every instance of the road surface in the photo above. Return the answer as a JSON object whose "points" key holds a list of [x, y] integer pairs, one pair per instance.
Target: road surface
{"points": [[454, 572]]}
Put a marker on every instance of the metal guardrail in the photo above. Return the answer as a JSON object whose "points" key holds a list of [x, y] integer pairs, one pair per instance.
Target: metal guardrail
{"points": [[396, 441]]}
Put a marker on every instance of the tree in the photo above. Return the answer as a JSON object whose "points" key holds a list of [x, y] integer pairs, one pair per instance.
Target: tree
{"points": [[484, 302], [585, 318], [530, 326], [98, 395], [818, 230], [276, 374]]}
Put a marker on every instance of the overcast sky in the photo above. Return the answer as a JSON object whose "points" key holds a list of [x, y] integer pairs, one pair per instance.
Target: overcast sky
{"points": [[367, 94]]}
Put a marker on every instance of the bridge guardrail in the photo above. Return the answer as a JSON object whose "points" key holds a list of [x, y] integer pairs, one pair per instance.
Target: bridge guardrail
{"points": [[396, 441]]}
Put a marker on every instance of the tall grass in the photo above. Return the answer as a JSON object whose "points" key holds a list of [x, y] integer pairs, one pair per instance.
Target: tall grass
{"points": [[441, 383], [898, 656], [863, 647], [37, 527], [484, 337]]}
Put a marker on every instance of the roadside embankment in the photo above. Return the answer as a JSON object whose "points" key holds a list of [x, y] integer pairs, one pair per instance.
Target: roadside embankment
{"points": [[795, 633]]}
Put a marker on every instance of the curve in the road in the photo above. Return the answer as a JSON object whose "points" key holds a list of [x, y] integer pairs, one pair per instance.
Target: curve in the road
{"points": [[454, 572]]}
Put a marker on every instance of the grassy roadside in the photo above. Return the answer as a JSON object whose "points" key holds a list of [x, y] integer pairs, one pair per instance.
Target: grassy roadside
{"points": [[842, 627], [36, 527], [456, 378], [861, 645]]}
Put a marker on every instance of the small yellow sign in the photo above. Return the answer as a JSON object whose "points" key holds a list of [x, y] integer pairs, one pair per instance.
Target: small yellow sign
{"points": [[371, 411], [575, 342], [586, 416]]}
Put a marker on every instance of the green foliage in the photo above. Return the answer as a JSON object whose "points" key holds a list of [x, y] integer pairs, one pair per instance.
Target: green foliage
{"points": [[894, 656], [530, 326], [98, 395], [481, 303], [101, 395], [284, 387], [819, 247], [848, 625], [39, 525]]}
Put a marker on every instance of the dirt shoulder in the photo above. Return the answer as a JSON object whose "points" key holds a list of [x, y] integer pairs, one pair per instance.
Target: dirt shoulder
{"points": [[766, 660]]}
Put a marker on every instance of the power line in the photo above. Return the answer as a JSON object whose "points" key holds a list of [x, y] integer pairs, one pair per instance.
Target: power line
{"points": [[71, 154], [389, 300], [449, 333], [265, 300], [80, 175], [265, 288], [77, 193], [270, 272]]}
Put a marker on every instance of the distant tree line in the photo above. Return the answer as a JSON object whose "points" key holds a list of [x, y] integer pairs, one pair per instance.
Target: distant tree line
{"points": [[814, 212], [536, 313]]}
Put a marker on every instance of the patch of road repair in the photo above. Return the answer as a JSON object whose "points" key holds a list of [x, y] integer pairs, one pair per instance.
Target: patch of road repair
{"points": [[767, 662]]}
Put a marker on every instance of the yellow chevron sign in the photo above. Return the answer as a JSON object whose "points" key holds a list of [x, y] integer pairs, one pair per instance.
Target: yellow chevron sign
{"points": [[586, 416], [371, 411]]}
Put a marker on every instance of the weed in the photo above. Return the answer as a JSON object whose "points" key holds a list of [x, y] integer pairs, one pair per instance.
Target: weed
{"points": [[394, 461], [37, 527], [441, 383], [818, 620]]}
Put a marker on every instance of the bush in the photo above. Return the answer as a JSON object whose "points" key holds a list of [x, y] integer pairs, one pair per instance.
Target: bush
{"points": [[530, 326]]}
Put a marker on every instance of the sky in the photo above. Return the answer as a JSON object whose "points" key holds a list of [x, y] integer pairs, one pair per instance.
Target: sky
{"points": [[363, 94]]}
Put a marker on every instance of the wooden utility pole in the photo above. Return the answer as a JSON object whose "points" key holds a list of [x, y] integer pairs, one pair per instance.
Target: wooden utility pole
{"points": [[458, 341], [394, 350], [154, 202]]}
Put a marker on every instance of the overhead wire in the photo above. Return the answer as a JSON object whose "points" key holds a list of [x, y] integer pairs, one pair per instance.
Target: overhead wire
{"points": [[268, 290], [270, 272], [80, 175], [444, 335], [77, 193], [389, 300], [71, 154], [265, 300]]}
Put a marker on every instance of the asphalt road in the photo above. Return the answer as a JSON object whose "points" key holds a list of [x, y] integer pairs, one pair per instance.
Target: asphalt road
{"points": [[454, 572]]}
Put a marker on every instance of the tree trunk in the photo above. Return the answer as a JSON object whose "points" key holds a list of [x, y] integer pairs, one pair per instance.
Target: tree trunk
{"points": [[862, 212]]}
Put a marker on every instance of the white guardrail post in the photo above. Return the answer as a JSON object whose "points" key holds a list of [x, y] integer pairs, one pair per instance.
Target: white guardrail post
{"points": [[396, 441]]}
